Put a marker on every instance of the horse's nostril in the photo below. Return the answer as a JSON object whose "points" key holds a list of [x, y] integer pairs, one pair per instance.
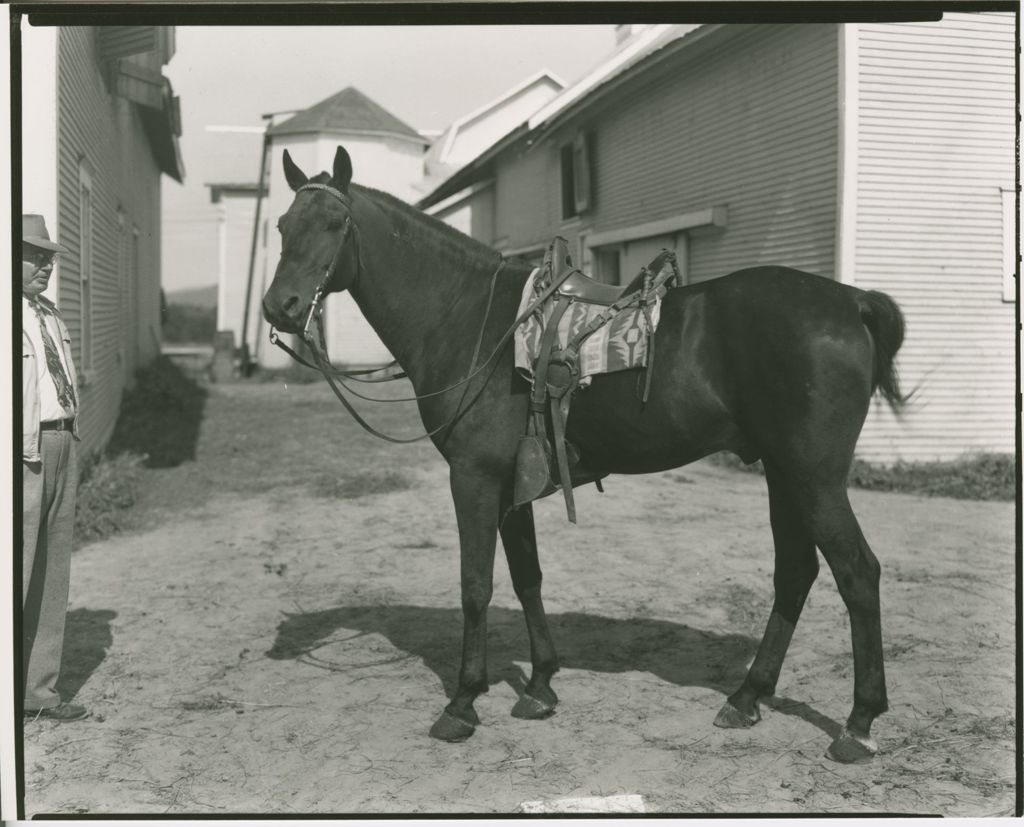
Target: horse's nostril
{"points": [[290, 305]]}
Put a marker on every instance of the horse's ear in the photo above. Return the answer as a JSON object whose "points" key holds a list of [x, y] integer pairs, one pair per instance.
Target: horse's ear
{"points": [[342, 175], [292, 174]]}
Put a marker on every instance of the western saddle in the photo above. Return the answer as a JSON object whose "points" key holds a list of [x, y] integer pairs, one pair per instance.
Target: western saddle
{"points": [[556, 367]]}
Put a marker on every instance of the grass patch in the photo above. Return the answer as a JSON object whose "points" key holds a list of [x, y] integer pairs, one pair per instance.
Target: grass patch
{"points": [[973, 477], [160, 416], [360, 485], [107, 488]]}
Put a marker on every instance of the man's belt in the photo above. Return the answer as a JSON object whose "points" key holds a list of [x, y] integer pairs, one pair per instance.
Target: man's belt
{"points": [[57, 425]]}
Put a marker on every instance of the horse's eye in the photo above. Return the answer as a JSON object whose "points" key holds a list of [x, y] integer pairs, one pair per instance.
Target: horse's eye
{"points": [[334, 224]]}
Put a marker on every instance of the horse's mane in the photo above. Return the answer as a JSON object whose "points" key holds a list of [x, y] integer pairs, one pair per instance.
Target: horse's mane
{"points": [[416, 218]]}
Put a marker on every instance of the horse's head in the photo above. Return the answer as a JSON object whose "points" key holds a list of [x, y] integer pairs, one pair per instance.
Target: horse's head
{"points": [[318, 244]]}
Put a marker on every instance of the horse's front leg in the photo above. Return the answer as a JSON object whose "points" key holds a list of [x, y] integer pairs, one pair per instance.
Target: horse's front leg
{"points": [[520, 540], [477, 500]]}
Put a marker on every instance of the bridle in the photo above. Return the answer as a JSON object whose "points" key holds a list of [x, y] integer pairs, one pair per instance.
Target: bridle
{"points": [[318, 346]]}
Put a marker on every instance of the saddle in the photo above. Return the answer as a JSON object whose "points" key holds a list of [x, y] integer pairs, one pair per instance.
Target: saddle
{"points": [[615, 323]]}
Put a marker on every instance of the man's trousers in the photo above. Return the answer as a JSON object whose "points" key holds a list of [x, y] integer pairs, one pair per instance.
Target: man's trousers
{"points": [[49, 509]]}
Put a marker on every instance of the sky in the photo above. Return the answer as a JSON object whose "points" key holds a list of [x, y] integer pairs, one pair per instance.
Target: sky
{"points": [[425, 75]]}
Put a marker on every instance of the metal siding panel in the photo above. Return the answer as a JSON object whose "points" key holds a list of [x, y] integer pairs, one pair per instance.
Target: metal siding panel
{"points": [[936, 145]]}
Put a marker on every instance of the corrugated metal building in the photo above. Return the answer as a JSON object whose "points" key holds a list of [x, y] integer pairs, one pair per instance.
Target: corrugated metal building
{"points": [[100, 126], [881, 155]]}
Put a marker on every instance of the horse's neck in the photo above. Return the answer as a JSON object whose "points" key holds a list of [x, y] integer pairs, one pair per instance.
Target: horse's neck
{"points": [[423, 293]]}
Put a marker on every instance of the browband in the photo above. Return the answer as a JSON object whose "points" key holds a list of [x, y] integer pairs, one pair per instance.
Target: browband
{"points": [[329, 189]]}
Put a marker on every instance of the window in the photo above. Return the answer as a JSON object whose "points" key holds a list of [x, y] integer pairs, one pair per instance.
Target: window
{"points": [[576, 179], [131, 332], [85, 232], [608, 264], [568, 183], [122, 282]]}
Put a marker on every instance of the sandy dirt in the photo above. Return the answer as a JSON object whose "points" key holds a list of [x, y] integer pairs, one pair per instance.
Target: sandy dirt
{"points": [[268, 640]]}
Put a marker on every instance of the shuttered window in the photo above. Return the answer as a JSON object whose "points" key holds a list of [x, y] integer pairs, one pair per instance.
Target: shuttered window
{"points": [[576, 178], [581, 172]]}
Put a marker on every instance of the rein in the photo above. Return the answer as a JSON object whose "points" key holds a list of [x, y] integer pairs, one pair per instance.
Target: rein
{"points": [[318, 347]]}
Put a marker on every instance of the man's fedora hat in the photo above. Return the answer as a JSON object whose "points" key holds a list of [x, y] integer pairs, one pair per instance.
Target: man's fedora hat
{"points": [[33, 231]]}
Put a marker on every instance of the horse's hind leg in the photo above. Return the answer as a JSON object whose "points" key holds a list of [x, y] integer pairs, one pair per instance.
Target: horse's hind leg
{"points": [[796, 567], [837, 533], [477, 501], [520, 541]]}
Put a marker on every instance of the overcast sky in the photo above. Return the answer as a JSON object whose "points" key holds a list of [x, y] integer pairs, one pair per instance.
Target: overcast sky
{"points": [[426, 75]]}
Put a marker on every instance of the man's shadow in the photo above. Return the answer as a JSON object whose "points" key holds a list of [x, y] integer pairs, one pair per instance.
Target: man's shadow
{"points": [[673, 652], [87, 638]]}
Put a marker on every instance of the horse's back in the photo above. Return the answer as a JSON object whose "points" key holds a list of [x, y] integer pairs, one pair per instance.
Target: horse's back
{"points": [[739, 360]]}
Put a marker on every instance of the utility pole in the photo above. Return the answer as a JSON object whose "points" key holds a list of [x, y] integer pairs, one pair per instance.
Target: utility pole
{"points": [[245, 363]]}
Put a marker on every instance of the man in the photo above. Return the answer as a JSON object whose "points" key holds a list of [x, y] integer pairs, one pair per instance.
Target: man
{"points": [[50, 474]]}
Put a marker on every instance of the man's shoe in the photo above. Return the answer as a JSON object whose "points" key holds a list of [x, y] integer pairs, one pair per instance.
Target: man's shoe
{"points": [[63, 712]]}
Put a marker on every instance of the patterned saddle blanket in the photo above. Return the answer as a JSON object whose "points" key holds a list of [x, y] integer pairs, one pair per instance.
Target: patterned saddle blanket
{"points": [[618, 344]]}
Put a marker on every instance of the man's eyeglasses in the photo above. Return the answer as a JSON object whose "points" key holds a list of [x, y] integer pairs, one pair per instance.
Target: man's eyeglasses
{"points": [[38, 258]]}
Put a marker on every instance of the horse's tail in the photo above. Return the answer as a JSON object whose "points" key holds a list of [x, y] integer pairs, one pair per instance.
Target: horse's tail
{"points": [[884, 320]]}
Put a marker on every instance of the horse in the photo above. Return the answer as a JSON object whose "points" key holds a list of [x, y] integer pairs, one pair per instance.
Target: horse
{"points": [[768, 363]]}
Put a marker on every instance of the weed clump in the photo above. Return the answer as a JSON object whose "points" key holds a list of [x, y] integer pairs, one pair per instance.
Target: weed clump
{"points": [[972, 477], [106, 493]]}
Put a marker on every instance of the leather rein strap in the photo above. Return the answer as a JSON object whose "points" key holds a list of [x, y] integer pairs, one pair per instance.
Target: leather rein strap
{"points": [[318, 347]]}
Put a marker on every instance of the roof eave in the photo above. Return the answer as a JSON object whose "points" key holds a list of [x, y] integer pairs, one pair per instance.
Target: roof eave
{"points": [[276, 132], [667, 51]]}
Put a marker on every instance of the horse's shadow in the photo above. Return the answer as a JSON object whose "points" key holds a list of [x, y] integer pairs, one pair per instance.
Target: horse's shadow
{"points": [[671, 651]]}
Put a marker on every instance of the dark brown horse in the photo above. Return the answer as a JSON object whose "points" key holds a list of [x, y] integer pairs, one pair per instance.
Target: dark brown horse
{"points": [[769, 363]]}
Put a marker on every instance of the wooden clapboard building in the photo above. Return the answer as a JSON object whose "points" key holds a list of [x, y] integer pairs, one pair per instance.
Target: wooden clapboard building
{"points": [[881, 155], [100, 127]]}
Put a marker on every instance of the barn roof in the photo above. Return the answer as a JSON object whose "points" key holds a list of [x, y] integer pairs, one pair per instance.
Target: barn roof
{"points": [[628, 59], [347, 111]]}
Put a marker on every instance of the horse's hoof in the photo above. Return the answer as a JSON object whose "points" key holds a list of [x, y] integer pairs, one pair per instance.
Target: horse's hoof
{"points": [[852, 749], [451, 728], [533, 709], [729, 717]]}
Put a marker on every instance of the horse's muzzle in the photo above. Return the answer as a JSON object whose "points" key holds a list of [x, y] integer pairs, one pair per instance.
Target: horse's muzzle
{"points": [[284, 310]]}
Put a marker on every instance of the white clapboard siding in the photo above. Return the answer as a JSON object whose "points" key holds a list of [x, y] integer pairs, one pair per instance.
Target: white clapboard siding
{"points": [[935, 144], [104, 133]]}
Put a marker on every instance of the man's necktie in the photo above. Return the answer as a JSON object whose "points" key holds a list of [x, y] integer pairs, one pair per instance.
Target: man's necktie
{"points": [[65, 393]]}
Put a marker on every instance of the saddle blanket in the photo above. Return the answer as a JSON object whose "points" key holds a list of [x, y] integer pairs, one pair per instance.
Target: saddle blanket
{"points": [[619, 344]]}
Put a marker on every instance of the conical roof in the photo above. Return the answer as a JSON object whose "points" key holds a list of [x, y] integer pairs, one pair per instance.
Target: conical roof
{"points": [[347, 111]]}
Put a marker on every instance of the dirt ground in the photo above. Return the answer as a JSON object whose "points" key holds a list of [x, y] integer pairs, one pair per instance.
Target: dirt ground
{"points": [[280, 629]]}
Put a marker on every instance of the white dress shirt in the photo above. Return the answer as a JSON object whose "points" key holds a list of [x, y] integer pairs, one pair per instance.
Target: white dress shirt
{"points": [[49, 408]]}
